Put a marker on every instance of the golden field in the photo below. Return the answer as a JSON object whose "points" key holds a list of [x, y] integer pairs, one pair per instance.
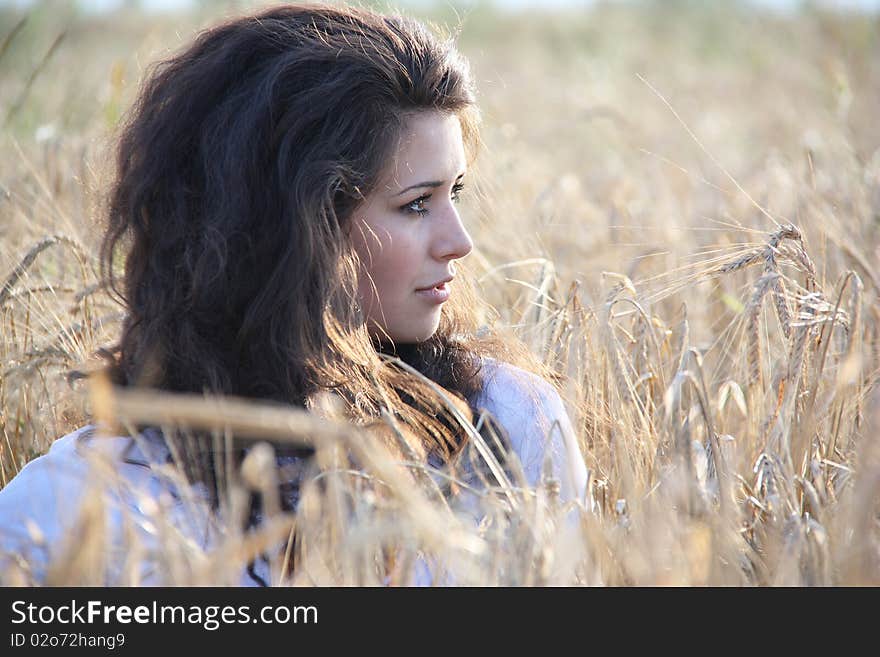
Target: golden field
{"points": [[677, 208]]}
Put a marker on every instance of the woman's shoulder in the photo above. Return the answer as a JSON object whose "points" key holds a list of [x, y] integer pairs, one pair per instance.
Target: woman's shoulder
{"points": [[519, 398], [72, 461], [504, 382], [536, 422], [83, 472], [60, 472]]}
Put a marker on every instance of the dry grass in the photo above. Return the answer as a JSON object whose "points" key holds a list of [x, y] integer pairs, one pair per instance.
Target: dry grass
{"points": [[680, 213]]}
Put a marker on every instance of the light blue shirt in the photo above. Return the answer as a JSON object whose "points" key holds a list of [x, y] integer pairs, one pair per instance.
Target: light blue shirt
{"points": [[144, 498]]}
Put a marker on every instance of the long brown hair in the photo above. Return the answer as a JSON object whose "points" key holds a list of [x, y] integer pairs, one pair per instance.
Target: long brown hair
{"points": [[238, 170]]}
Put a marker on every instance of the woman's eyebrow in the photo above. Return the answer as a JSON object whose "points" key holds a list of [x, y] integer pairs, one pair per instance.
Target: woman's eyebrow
{"points": [[428, 183]]}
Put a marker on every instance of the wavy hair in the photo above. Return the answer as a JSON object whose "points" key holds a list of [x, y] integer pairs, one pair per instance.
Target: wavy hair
{"points": [[238, 170]]}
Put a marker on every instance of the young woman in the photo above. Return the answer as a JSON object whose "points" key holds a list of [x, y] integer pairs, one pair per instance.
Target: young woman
{"points": [[285, 203]]}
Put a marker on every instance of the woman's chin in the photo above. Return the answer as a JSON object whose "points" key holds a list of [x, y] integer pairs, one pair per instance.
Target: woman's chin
{"points": [[412, 334], [414, 337]]}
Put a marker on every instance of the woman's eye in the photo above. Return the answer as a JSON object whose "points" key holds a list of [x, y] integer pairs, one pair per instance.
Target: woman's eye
{"points": [[418, 206]]}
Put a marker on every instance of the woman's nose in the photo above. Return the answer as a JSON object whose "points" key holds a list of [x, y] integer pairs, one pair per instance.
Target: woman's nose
{"points": [[453, 240]]}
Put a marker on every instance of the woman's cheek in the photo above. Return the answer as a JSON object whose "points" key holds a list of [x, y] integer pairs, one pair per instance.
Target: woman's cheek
{"points": [[404, 260]]}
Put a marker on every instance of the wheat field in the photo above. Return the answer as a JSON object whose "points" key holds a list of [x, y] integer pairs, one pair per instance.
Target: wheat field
{"points": [[677, 207]]}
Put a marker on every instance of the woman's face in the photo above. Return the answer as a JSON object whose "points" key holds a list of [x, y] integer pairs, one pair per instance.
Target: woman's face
{"points": [[408, 233]]}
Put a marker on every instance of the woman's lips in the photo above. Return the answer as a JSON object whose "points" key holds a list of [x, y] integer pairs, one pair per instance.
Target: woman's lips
{"points": [[437, 294]]}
